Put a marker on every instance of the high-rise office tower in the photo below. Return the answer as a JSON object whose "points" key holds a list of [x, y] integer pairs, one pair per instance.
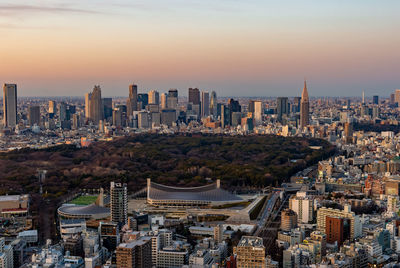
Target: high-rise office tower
{"points": [[143, 101], [33, 115], [304, 108], [119, 202], [205, 104], [107, 107], [225, 116], [363, 97], [154, 97], [296, 104], [250, 107], [168, 117], [64, 116], [172, 99], [117, 117], [392, 99], [75, 121], [194, 96], [63, 112], [52, 107], [375, 99], [96, 105], [234, 106], [282, 107], [164, 101], [397, 97], [258, 112], [133, 98], [10, 105], [213, 103], [88, 96]]}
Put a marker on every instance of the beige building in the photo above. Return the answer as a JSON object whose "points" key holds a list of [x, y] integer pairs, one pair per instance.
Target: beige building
{"points": [[172, 257], [250, 252], [258, 113]]}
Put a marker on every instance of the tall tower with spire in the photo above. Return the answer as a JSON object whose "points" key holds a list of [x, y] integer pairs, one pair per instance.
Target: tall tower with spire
{"points": [[304, 108]]}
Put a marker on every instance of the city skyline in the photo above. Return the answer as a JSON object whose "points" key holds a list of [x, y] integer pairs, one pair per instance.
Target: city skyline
{"points": [[236, 48], [183, 92]]}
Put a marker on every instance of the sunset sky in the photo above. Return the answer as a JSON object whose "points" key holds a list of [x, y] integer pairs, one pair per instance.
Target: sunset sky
{"points": [[237, 48]]}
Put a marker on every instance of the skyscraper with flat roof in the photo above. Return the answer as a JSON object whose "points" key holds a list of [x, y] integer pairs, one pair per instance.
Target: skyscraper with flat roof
{"points": [[194, 96], [154, 97], [88, 96], [397, 96], [52, 107], [213, 104], [164, 101], [304, 108], [107, 107], [132, 102], [258, 112], [205, 104], [33, 115], [95, 105], [172, 99], [10, 105], [282, 107], [375, 99]]}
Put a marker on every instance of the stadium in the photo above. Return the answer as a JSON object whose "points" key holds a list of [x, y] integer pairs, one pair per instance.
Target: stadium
{"points": [[88, 212], [203, 196], [88, 207]]}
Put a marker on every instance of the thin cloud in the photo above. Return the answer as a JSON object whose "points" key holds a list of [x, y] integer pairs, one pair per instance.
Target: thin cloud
{"points": [[8, 26], [11, 9]]}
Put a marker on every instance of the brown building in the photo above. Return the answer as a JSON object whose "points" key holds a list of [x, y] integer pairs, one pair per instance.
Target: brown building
{"points": [[337, 230], [194, 96], [288, 220], [348, 132], [135, 254], [126, 255], [392, 188]]}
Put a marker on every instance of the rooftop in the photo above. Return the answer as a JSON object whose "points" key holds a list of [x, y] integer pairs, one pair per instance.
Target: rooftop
{"points": [[210, 192], [4, 198], [251, 241], [83, 210]]}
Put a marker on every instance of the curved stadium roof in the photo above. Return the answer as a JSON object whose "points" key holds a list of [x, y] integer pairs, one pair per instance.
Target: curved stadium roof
{"points": [[89, 210], [209, 192]]}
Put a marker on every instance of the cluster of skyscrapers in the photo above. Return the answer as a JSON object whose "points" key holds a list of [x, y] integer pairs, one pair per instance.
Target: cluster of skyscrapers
{"points": [[150, 110]]}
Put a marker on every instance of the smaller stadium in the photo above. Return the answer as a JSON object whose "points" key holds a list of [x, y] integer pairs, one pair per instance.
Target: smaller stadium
{"points": [[87, 207], [203, 196]]}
